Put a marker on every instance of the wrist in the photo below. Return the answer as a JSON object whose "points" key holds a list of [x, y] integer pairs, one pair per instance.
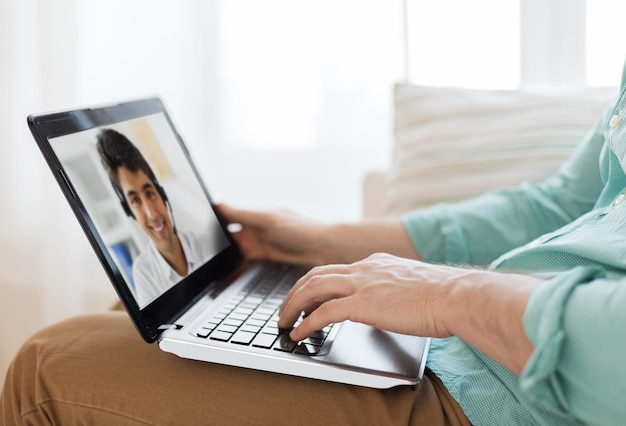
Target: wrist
{"points": [[332, 236], [351, 242], [485, 309], [458, 300]]}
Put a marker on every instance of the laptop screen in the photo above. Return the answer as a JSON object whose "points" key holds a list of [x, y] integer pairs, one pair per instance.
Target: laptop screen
{"points": [[142, 204]]}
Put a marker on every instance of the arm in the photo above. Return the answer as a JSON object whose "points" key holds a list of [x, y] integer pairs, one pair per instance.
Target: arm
{"points": [[286, 237], [483, 308], [478, 231], [575, 321], [455, 234]]}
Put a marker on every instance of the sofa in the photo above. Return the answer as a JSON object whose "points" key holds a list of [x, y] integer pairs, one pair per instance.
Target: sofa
{"points": [[451, 144]]}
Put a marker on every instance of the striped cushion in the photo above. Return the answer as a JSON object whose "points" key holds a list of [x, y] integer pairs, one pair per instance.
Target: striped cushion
{"points": [[453, 143]]}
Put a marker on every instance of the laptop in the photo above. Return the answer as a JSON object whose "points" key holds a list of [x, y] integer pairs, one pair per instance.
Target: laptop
{"points": [[218, 307]]}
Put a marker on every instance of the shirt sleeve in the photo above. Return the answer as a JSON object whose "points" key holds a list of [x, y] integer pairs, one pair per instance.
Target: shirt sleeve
{"points": [[478, 231], [575, 321]]}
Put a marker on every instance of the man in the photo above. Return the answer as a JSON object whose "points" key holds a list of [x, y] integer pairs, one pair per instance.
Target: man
{"points": [[170, 255], [532, 334]]}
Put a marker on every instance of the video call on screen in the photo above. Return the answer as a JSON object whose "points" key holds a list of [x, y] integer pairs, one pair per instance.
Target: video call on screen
{"points": [[140, 238]]}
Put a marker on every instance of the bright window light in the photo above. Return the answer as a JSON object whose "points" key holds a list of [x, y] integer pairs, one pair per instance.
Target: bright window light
{"points": [[296, 75], [464, 43], [606, 50]]}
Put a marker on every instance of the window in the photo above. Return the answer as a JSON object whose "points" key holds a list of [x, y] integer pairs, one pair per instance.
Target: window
{"points": [[295, 75], [543, 44], [605, 48], [461, 43]]}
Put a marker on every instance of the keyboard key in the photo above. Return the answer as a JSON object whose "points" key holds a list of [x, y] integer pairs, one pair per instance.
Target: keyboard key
{"points": [[242, 337], [227, 328], [307, 349], [203, 332], [233, 322], [250, 328], [258, 323], [265, 311], [237, 316], [222, 336], [264, 340], [253, 300], [316, 341], [272, 323], [243, 311], [284, 344], [270, 330], [260, 317]]}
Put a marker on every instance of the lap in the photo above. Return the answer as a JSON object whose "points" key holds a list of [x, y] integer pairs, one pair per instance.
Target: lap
{"points": [[95, 369]]}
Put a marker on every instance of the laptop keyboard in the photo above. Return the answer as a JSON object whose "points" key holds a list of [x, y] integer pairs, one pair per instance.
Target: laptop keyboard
{"points": [[250, 318]]}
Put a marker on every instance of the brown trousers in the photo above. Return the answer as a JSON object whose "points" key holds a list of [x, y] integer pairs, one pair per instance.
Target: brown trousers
{"points": [[96, 370]]}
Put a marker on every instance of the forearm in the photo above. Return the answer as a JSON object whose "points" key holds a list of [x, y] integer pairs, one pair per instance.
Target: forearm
{"points": [[285, 237], [485, 309], [576, 322], [350, 242], [478, 231]]}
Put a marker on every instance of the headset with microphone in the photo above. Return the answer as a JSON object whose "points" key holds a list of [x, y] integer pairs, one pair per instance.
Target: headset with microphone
{"points": [[115, 151]]}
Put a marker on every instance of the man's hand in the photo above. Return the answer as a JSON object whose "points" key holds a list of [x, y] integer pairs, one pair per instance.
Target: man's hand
{"points": [[483, 308], [385, 291], [278, 236]]}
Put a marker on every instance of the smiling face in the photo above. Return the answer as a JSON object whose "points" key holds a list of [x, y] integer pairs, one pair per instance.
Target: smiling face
{"points": [[149, 208]]}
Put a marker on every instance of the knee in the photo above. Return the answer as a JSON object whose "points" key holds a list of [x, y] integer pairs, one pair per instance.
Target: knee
{"points": [[21, 389], [48, 363]]}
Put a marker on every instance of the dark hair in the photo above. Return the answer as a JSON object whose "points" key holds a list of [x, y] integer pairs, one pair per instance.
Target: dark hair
{"points": [[117, 151]]}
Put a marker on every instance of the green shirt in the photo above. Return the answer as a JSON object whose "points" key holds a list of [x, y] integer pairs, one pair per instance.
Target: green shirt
{"points": [[571, 230]]}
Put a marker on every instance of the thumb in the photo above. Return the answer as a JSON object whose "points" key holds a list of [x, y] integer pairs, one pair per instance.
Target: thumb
{"points": [[246, 218]]}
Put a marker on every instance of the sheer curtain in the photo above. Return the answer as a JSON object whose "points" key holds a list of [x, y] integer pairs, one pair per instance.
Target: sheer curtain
{"points": [[63, 54], [74, 53]]}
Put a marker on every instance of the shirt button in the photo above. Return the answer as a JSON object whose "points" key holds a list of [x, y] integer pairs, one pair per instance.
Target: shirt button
{"points": [[619, 199], [614, 121]]}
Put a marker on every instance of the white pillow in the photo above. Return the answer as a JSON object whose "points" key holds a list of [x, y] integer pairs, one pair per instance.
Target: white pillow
{"points": [[453, 143]]}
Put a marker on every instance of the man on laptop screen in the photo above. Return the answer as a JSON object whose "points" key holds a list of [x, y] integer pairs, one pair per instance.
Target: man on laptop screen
{"points": [[144, 202], [170, 254]]}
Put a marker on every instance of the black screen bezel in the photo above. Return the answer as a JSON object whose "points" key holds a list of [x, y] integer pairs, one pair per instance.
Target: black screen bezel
{"points": [[170, 305]]}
